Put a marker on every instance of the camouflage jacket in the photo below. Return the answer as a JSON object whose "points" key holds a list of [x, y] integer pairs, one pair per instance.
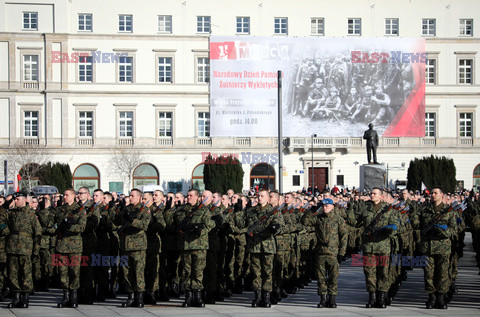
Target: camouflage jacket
{"points": [[46, 218], [331, 232], [436, 240], [238, 225], [215, 213], [379, 241], [104, 229], [170, 236], [133, 222], [284, 238], [156, 225], [89, 235], [70, 240], [25, 232], [261, 239], [4, 231], [185, 219]]}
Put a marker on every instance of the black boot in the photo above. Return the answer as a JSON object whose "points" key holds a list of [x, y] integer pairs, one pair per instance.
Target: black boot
{"points": [[188, 299], [275, 297], [323, 301], [73, 298], [65, 299], [102, 289], [162, 295], [24, 300], [441, 303], [16, 301], [238, 289], [372, 298], [256, 300], [138, 300], [265, 302], [381, 303], [175, 290], [431, 301], [88, 295], [130, 300], [210, 298], [112, 293], [453, 287], [197, 298], [332, 303]]}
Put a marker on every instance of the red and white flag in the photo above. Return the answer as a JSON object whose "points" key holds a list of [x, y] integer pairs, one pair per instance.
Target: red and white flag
{"points": [[16, 183]]}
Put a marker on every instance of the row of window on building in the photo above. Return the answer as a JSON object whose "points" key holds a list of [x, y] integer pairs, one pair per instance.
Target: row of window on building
{"points": [[242, 25], [165, 123], [165, 69], [125, 121]]}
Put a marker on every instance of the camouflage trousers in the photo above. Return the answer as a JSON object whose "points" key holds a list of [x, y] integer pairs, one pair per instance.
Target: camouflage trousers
{"points": [[328, 271], [42, 265], [262, 271], [230, 259], [86, 271], [20, 272], [3, 274], [239, 259], [280, 267], [100, 272], [210, 273], [376, 268], [151, 271], [173, 266], [194, 262], [162, 270], [134, 271], [69, 270], [435, 274]]}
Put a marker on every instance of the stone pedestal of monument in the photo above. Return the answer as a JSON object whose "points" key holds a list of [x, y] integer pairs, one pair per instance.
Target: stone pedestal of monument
{"points": [[372, 175]]}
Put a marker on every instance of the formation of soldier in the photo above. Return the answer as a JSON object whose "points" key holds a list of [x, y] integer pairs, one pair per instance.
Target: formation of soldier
{"points": [[210, 246]]}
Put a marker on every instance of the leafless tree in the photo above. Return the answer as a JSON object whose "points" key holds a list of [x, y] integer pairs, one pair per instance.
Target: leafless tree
{"points": [[123, 162], [26, 160]]}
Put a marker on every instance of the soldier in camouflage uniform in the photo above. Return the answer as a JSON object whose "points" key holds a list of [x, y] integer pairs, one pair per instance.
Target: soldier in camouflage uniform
{"points": [[89, 242], [213, 204], [71, 220], [438, 226], [113, 241], [154, 245], [103, 232], [380, 224], [46, 218], [283, 245], [4, 232], [193, 223], [23, 241], [172, 243], [263, 223], [133, 222], [160, 203], [238, 228], [231, 248], [331, 246]]}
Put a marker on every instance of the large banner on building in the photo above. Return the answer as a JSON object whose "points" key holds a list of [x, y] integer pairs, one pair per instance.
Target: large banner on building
{"points": [[330, 86]]}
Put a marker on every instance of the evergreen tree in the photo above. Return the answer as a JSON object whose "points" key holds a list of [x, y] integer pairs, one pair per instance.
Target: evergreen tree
{"points": [[223, 173], [433, 171]]}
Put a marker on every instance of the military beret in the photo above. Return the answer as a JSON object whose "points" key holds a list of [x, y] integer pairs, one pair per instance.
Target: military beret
{"points": [[327, 201], [19, 194]]}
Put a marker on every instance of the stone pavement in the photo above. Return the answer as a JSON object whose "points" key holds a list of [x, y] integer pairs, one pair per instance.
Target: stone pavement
{"points": [[410, 300]]}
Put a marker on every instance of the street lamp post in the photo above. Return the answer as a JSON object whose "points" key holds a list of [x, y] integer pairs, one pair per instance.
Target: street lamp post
{"points": [[313, 174]]}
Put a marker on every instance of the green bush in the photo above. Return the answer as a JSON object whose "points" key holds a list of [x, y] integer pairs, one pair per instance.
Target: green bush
{"points": [[223, 173]]}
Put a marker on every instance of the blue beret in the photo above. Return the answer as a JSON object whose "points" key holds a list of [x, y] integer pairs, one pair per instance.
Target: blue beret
{"points": [[327, 201]]}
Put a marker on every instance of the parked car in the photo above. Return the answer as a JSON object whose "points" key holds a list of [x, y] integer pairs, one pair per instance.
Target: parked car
{"points": [[44, 190]]}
